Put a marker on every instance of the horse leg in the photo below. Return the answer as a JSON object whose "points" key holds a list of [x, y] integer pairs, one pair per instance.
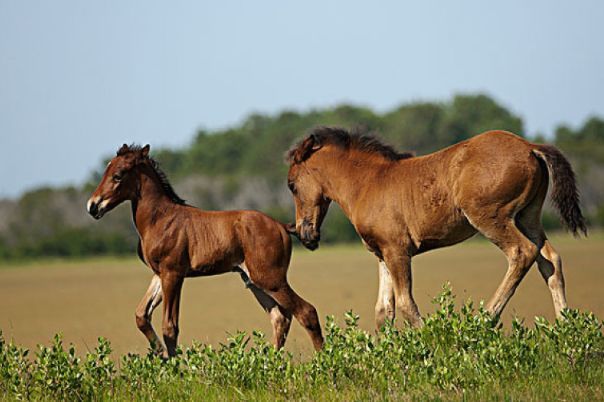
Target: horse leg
{"points": [[305, 313], [384, 307], [399, 267], [550, 266], [521, 253], [145, 308], [280, 318], [171, 284], [548, 260]]}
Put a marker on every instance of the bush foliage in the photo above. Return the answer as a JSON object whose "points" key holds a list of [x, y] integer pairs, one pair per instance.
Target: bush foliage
{"points": [[455, 353]]}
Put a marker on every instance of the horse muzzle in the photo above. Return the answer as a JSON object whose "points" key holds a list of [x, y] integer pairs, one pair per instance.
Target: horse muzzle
{"points": [[309, 236], [96, 208]]}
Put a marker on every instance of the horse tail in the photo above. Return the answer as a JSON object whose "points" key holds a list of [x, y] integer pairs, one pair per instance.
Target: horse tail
{"points": [[564, 195]]}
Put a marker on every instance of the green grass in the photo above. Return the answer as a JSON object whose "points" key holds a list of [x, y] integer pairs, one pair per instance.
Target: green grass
{"points": [[83, 299], [459, 354]]}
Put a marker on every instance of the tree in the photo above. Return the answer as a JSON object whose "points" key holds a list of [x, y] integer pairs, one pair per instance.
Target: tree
{"points": [[469, 115]]}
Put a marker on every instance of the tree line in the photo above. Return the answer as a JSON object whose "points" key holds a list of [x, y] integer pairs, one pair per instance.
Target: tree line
{"points": [[243, 167]]}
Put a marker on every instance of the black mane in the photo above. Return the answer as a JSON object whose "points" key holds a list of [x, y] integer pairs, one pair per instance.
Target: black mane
{"points": [[358, 139], [163, 179], [165, 184]]}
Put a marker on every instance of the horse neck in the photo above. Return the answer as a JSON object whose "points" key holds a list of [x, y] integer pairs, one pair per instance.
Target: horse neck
{"points": [[150, 201], [346, 177]]}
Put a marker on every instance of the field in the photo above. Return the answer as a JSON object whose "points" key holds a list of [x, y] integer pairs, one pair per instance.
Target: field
{"points": [[83, 300], [459, 354]]}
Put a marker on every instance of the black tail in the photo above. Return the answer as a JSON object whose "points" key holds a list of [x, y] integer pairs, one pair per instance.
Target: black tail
{"points": [[564, 192]]}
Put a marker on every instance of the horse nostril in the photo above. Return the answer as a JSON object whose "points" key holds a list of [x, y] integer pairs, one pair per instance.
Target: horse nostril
{"points": [[309, 236], [93, 209], [311, 244]]}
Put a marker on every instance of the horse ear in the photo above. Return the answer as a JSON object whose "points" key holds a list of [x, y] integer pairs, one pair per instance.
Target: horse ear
{"points": [[145, 151], [308, 146], [316, 142], [123, 149]]}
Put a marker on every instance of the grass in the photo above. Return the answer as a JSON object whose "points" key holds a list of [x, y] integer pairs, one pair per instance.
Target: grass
{"points": [[458, 354], [85, 299]]}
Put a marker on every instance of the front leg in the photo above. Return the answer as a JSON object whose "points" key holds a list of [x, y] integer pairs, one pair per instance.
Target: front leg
{"points": [[145, 308], [384, 308], [171, 283], [399, 265]]}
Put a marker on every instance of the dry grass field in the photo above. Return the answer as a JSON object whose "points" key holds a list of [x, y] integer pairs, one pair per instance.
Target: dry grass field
{"points": [[86, 299]]}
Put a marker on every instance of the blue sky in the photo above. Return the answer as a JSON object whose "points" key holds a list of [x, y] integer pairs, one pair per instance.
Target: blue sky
{"points": [[77, 79]]}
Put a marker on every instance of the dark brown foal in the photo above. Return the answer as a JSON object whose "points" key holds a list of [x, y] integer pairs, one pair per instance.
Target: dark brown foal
{"points": [[179, 241], [401, 206]]}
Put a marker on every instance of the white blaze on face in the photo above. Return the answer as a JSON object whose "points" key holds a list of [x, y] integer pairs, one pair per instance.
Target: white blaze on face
{"points": [[103, 204]]}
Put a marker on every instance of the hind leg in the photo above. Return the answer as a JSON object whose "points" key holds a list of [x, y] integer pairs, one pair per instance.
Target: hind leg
{"points": [[550, 266], [305, 313], [548, 260], [521, 254], [519, 250], [280, 318]]}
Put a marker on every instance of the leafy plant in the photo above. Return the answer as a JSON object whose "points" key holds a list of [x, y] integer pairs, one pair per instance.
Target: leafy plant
{"points": [[456, 352]]}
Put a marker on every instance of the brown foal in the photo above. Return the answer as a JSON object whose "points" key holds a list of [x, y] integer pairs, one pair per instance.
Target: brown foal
{"points": [[178, 241], [401, 206]]}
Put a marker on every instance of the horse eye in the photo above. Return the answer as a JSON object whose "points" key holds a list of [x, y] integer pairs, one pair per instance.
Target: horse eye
{"points": [[117, 177]]}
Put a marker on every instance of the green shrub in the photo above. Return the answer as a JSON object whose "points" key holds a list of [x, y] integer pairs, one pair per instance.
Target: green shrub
{"points": [[457, 351]]}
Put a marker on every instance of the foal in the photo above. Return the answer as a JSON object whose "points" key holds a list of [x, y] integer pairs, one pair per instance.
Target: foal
{"points": [[401, 206], [177, 241]]}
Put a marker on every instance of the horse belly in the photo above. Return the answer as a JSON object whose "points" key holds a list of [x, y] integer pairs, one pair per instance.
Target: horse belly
{"points": [[214, 265], [214, 262], [443, 232], [208, 270]]}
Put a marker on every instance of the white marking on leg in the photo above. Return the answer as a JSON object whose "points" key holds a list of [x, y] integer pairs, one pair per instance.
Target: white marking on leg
{"points": [[244, 268], [245, 275], [550, 266], [468, 219], [386, 290], [155, 296]]}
